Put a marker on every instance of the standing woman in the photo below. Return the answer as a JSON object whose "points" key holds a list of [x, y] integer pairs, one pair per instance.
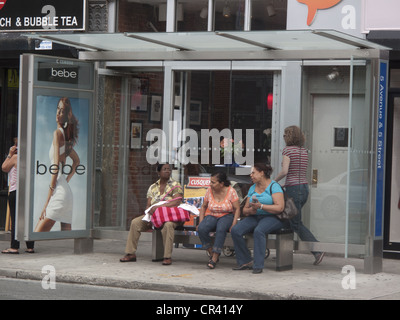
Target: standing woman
{"points": [[264, 201], [59, 201], [294, 168], [219, 212], [10, 166]]}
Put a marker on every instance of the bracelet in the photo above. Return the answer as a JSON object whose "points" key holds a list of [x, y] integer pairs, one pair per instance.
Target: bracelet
{"points": [[51, 188], [8, 157], [261, 206]]}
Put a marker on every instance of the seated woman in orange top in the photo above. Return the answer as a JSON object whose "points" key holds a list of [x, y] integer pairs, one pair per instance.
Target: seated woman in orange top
{"points": [[219, 212]]}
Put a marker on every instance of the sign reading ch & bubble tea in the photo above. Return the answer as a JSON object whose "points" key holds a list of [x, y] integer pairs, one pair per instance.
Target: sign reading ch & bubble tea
{"points": [[42, 15], [55, 130]]}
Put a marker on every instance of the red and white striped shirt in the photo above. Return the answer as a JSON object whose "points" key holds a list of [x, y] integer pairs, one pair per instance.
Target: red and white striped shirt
{"points": [[297, 173]]}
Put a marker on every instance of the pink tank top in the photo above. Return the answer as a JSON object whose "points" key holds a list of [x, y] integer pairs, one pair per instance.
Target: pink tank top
{"points": [[12, 176]]}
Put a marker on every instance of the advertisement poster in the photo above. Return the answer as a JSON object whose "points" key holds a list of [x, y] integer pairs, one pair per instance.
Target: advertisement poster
{"points": [[65, 209], [194, 193], [56, 169]]}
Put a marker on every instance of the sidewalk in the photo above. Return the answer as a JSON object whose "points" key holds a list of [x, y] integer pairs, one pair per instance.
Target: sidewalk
{"points": [[189, 273]]}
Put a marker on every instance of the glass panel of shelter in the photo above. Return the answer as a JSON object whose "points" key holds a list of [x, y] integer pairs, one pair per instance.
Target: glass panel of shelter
{"points": [[360, 185], [132, 107], [232, 99], [340, 155]]}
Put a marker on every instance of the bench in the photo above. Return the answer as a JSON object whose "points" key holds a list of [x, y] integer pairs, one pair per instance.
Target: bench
{"points": [[281, 240]]}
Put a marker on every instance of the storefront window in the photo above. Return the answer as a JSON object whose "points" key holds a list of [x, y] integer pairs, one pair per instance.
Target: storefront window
{"points": [[229, 15], [141, 16], [192, 15], [9, 85], [268, 15], [231, 100], [226, 15]]}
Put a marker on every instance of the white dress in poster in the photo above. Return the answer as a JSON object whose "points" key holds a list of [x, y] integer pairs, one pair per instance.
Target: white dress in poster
{"points": [[60, 187]]}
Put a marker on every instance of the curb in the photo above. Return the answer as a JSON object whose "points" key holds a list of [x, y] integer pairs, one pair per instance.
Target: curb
{"points": [[118, 283]]}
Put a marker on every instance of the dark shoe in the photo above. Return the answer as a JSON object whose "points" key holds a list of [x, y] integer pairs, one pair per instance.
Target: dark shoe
{"points": [[211, 264], [167, 261], [247, 266], [256, 271], [10, 251], [318, 258], [128, 258], [30, 251]]}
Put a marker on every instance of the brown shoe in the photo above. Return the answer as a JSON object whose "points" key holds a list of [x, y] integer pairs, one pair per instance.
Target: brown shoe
{"points": [[128, 258], [167, 261]]}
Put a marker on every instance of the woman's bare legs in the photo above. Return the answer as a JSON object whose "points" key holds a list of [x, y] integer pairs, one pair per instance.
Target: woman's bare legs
{"points": [[44, 225]]}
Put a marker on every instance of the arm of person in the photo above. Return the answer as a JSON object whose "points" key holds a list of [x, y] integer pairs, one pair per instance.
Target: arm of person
{"points": [[169, 204], [75, 162], [176, 201], [9, 163], [148, 205], [202, 211], [54, 172], [11, 160], [236, 211], [277, 206], [284, 170], [250, 208]]}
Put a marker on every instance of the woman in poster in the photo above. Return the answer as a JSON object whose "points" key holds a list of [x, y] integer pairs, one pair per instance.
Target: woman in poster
{"points": [[59, 202]]}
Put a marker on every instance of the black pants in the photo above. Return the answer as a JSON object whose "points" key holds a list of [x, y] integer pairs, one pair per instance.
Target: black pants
{"points": [[12, 203]]}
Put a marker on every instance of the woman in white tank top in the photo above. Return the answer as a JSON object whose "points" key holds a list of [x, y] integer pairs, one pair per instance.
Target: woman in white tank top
{"points": [[59, 201]]}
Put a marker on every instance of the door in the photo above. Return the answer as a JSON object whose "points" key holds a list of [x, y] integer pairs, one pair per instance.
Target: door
{"points": [[338, 193], [329, 166]]}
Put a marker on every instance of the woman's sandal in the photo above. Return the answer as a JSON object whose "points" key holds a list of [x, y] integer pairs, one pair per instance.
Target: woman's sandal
{"points": [[209, 253], [10, 251], [211, 264]]}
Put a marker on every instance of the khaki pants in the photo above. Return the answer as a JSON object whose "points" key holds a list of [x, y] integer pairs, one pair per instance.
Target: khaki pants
{"points": [[138, 226]]}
